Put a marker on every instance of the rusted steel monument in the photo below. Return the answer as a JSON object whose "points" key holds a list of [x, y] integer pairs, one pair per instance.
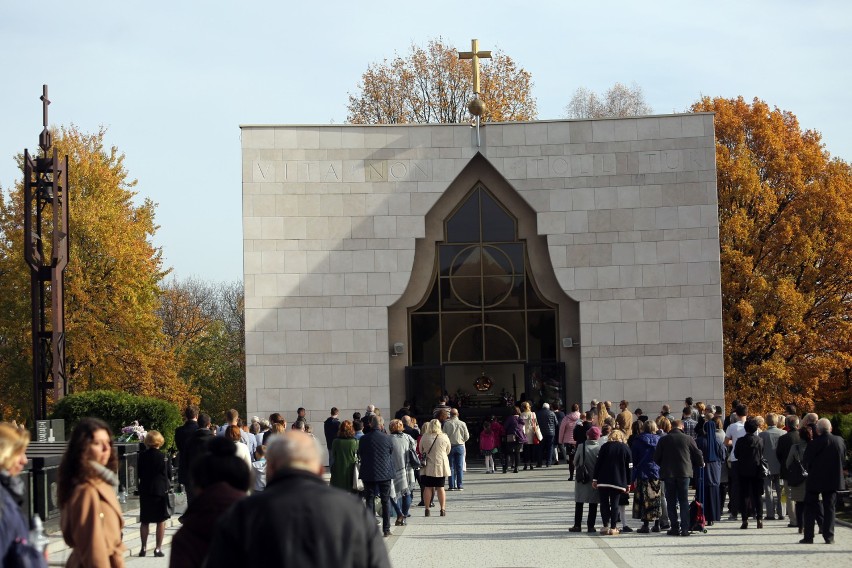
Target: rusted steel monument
{"points": [[46, 253]]}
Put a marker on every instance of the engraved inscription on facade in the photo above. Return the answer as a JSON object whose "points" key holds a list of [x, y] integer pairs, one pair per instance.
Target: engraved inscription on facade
{"points": [[337, 171]]}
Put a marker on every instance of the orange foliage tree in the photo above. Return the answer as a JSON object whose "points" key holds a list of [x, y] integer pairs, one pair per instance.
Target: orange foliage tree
{"points": [[431, 85], [114, 338], [785, 228]]}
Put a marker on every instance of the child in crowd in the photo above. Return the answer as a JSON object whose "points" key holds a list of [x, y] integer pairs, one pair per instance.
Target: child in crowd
{"points": [[487, 446], [259, 467]]}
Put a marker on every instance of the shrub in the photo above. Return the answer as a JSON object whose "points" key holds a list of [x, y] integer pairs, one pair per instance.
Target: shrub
{"points": [[841, 425], [120, 409]]}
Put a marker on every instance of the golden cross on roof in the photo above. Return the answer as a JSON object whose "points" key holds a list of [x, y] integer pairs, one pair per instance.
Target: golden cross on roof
{"points": [[475, 54]]}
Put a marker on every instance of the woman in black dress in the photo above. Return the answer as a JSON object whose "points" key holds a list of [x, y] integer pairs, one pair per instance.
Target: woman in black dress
{"points": [[155, 474]]}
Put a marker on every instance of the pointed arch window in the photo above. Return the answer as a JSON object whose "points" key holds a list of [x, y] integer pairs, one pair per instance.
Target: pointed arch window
{"points": [[483, 305]]}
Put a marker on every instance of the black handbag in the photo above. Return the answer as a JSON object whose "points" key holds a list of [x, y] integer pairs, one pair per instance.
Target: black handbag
{"points": [[796, 473], [583, 475], [414, 459]]}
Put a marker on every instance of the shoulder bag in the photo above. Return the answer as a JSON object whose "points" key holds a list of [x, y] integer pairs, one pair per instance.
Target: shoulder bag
{"points": [[429, 451], [357, 482], [538, 435], [583, 475], [413, 459], [796, 473]]}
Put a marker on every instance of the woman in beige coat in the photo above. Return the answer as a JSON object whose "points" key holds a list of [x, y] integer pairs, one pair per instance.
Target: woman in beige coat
{"points": [[90, 514], [435, 447]]}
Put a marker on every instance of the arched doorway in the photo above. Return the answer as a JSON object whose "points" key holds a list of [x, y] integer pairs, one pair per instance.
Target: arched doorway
{"points": [[483, 316]]}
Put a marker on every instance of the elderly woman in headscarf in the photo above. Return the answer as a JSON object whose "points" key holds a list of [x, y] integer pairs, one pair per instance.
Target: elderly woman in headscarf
{"points": [[714, 456]]}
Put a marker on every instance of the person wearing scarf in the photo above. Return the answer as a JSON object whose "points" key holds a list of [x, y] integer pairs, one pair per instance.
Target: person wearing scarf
{"points": [[90, 515]]}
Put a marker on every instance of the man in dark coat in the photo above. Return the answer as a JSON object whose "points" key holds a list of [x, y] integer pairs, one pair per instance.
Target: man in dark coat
{"points": [[182, 436], [375, 449], [298, 520], [823, 460], [404, 411], [194, 447], [678, 457], [785, 443], [548, 424], [330, 428]]}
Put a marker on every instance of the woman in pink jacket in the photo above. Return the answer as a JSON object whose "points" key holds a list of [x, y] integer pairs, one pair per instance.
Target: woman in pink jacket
{"points": [[566, 436]]}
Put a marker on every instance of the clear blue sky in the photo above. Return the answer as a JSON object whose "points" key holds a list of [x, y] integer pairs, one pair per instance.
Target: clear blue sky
{"points": [[172, 81]]}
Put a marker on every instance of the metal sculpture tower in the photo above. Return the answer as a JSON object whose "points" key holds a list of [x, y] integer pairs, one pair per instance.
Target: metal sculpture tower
{"points": [[46, 253]]}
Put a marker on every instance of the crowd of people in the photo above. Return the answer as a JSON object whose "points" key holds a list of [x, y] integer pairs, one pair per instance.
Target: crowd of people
{"points": [[739, 460], [238, 475]]}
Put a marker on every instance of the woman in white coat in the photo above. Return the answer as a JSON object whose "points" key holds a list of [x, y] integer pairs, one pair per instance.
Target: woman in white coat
{"points": [[435, 449]]}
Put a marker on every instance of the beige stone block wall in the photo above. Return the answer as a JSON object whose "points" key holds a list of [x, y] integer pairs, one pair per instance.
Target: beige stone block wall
{"points": [[331, 215]]}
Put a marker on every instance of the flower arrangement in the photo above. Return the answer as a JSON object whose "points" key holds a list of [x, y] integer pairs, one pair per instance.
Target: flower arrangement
{"points": [[133, 433]]}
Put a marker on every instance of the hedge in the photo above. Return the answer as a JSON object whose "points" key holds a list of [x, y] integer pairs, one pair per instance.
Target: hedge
{"points": [[841, 425], [120, 409]]}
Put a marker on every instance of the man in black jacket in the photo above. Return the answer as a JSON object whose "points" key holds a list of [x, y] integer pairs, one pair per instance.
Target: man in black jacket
{"points": [[375, 449], [182, 436], [678, 458], [330, 428], [823, 459], [548, 423], [785, 443], [194, 446], [331, 527]]}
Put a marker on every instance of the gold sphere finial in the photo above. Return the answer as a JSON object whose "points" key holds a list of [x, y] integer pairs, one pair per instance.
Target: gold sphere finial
{"points": [[476, 106]]}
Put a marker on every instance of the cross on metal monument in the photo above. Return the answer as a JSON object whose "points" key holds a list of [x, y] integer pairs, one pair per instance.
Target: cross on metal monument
{"points": [[46, 253]]}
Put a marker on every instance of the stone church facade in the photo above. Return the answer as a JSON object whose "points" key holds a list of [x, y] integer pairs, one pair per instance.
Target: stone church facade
{"points": [[559, 260]]}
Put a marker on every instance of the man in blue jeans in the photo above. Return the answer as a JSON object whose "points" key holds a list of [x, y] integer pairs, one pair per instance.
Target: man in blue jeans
{"points": [[678, 457], [456, 431]]}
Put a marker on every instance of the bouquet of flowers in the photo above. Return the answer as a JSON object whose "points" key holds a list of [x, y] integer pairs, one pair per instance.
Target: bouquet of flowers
{"points": [[133, 433]]}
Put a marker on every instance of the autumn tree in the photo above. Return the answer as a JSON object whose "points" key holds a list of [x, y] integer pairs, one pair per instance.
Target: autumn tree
{"points": [[205, 327], [618, 101], [114, 339], [785, 214], [431, 85]]}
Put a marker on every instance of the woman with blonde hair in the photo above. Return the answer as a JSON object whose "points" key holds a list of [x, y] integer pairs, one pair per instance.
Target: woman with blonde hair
{"points": [[664, 425], [435, 448], [14, 526], [612, 479], [530, 441], [601, 415], [90, 515], [155, 473]]}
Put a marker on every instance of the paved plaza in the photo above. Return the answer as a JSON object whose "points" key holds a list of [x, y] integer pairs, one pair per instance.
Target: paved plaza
{"points": [[520, 520]]}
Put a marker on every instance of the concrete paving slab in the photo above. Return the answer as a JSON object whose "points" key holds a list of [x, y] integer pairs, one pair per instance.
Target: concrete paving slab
{"points": [[522, 519]]}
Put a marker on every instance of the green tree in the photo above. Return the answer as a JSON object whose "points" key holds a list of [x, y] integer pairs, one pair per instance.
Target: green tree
{"points": [[114, 338], [204, 325], [431, 85], [785, 229]]}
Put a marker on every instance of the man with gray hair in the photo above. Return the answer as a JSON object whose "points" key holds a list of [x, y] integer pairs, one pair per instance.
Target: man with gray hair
{"points": [[456, 431], [330, 529], [785, 443], [823, 460]]}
